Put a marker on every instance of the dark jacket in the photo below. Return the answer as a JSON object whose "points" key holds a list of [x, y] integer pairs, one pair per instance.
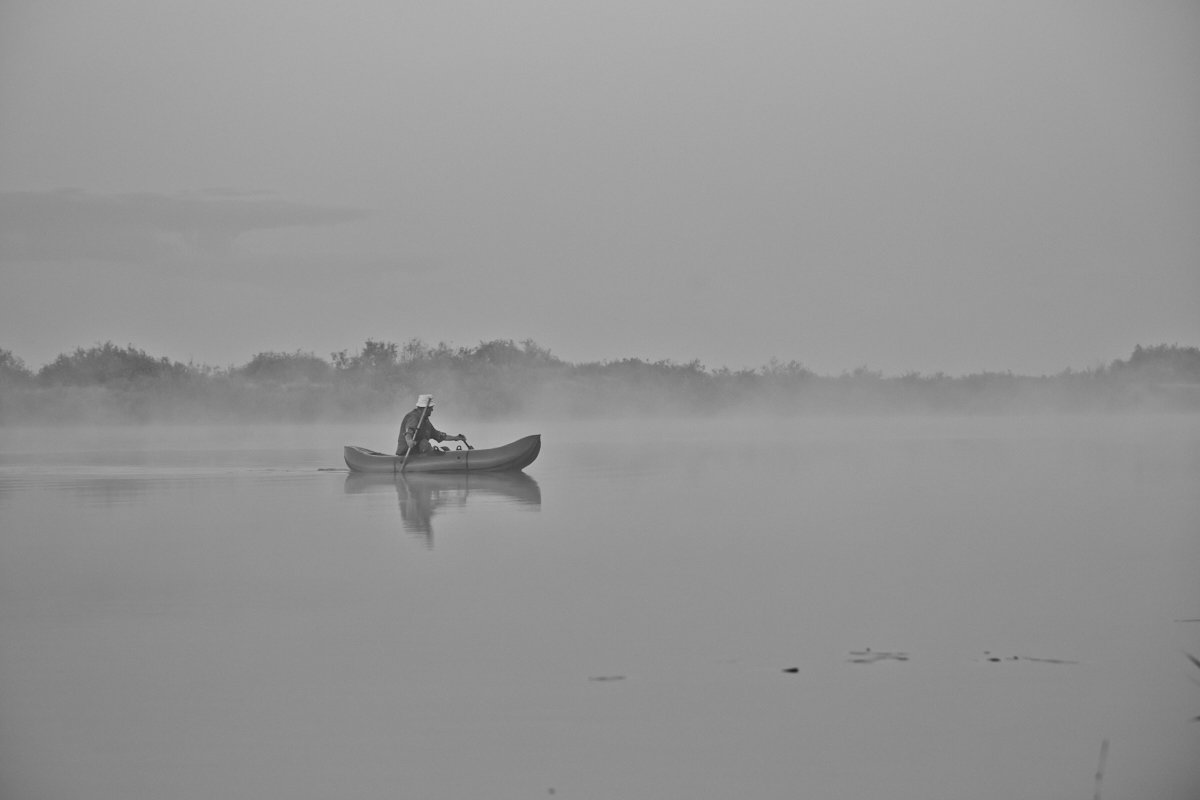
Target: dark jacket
{"points": [[408, 427]]}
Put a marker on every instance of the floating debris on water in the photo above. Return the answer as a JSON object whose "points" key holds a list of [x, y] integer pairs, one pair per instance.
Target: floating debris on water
{"points": [[987, 656], [870, 656]]}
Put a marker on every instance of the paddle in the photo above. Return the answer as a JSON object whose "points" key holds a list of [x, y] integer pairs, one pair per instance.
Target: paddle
{"points": [[408, 449]]}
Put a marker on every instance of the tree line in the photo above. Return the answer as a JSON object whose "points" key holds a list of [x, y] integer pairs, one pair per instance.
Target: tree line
{"points": [[503, 378]]}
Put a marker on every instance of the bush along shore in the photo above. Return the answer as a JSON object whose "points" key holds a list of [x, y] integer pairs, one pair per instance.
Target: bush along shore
{"points": [[506, 379]]}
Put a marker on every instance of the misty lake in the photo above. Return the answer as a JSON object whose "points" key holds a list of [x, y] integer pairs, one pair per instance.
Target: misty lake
{"points": [[816, 608]]}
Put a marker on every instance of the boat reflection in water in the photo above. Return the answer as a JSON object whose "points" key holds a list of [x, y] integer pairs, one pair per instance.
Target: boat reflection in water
{"points": [[422, 494]]}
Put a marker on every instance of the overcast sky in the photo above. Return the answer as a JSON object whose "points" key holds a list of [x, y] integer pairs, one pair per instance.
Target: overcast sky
{"points": [[933, 186]]}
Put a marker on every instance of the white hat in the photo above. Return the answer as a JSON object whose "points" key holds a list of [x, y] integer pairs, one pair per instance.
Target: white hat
{"points": [[424, 401]]}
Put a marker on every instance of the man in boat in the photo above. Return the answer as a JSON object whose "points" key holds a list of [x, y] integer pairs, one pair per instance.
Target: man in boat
{"points": [[416, 430]]}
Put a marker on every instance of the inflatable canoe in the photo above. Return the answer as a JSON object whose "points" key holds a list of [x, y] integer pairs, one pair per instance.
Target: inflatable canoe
{"points": [[515, 455]]}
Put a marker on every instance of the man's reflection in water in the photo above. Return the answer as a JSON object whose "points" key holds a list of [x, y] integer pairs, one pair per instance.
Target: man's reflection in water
{"points": [[418, 499], [420, 496]]}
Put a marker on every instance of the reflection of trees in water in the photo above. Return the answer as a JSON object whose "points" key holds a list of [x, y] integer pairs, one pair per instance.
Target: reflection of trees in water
{"points": [[421, 495]]}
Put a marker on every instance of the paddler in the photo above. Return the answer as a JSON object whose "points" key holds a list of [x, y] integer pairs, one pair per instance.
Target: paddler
{"points": [[416, 430]]}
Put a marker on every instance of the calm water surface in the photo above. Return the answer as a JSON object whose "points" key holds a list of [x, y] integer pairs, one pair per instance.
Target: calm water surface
{"points": [[962, 608]]}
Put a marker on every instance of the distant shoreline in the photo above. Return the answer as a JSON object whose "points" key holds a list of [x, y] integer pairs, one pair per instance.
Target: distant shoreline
{"points": [[503, 379]]}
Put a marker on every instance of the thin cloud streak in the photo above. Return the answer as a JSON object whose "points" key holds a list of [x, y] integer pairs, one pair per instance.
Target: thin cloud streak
{"points": [[70, 224]]}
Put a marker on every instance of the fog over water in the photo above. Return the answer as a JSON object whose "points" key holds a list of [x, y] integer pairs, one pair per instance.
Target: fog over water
{"points": [[858, 607]]}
